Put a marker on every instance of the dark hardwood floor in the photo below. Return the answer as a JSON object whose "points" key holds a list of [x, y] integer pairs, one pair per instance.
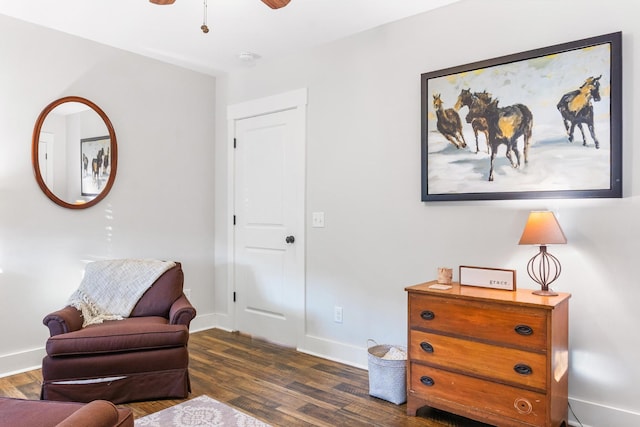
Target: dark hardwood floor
{"points": [[277, 385]]}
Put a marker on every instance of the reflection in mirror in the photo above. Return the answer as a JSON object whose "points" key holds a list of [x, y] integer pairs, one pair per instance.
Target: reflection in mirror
{"points": [[74, 152]]}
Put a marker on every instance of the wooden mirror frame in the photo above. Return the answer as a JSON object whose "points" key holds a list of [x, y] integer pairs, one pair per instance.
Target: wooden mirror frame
{"points": [[35, 154]]}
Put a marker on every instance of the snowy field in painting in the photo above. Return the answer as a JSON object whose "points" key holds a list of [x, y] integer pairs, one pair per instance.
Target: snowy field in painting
{"points": [[554, 164]]}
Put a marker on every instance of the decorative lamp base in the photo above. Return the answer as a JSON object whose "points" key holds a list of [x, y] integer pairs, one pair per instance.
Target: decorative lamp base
{"points": [[544, 269], [548, 293]]}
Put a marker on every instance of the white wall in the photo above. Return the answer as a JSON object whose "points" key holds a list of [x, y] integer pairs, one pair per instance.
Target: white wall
{"points": [[161, 205], [363, 171]]}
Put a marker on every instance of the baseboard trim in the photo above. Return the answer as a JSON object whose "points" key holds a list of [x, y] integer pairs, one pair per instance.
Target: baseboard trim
{"points": [[17, 363], [593, 414], [336, 351], [203, 322]]}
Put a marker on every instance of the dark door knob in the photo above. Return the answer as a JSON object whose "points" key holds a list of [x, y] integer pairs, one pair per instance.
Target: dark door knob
{"points": [[290, 239]]}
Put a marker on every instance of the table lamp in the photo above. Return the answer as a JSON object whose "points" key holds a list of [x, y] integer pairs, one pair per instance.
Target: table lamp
{"points": [[542, 228]]}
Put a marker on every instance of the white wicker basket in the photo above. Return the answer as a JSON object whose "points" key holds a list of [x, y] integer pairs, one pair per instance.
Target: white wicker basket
{"points": [[387, 378]]}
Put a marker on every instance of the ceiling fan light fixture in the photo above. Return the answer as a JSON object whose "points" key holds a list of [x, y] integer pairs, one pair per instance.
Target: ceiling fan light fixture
{"points": [[204, 27], [273, 4], [276, 4]]}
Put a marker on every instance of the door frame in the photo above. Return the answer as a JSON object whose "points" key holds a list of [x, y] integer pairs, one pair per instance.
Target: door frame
{"points": [[293, 100]]}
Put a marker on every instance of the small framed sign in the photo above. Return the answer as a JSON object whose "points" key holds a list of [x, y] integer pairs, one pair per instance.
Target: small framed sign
{"points": [[495, 278]]}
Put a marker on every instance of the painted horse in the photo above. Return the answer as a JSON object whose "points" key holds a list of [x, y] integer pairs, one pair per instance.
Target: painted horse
{"points": [[478, 124], [96, 164], [449, 123], [576, 108], [505, 125]]}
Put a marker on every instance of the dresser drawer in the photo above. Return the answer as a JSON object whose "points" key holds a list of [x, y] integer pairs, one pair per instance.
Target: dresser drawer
{"points": [[514, 366], [524, 327], [472, 395]]}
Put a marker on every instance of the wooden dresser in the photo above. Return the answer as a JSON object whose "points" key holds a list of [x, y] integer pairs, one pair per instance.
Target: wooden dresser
{"points": [[495, 356]]}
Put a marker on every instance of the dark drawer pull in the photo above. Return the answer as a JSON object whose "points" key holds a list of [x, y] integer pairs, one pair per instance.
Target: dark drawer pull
{"points": [[428, 381], [426, 347], [523, 369], [427, 315], [523, 330]]}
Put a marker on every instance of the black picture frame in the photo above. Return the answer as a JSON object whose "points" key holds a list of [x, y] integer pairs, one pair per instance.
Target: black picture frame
{"points": [[95, 164], [551, 83]]}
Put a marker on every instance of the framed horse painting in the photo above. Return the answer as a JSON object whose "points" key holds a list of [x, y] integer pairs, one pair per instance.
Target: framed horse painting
{"points": [[545, 123], [94, 164]]}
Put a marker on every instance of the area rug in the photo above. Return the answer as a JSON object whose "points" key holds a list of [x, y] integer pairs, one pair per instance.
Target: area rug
{"points": [[201, 411]]}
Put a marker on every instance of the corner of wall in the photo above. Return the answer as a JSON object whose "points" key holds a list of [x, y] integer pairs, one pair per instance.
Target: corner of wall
{"points": [[205, 321]]}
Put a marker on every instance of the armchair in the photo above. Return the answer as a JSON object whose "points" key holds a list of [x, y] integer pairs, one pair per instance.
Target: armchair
{"points": [[141, 357]]}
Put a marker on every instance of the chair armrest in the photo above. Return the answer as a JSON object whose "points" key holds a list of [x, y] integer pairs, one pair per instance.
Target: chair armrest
{"points": [[68, 319], [98, 413], [181, 312]]}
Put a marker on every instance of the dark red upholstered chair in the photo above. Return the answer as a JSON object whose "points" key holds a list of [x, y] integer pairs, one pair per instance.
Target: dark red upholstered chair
{"points": [[142, 357]]}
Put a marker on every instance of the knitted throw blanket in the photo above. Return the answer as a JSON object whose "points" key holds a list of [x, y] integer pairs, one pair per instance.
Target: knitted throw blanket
{"points": [[110, 289]]}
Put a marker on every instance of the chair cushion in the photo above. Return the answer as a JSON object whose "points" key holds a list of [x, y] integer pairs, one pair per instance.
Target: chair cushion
{"points": [[131, 334]]}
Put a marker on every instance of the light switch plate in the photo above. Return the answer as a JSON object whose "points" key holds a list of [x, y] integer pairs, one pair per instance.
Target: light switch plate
{"points": [[317, 219]]}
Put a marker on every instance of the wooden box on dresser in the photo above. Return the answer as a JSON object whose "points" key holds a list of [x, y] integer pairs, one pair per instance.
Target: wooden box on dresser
{"points": [[496, 356]]}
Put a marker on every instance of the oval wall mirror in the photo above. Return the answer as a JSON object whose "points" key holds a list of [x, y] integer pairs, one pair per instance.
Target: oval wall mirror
{"points": [[74, 152]]}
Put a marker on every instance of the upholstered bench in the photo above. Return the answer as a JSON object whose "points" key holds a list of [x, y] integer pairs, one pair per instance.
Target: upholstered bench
{"points": [[42, 413]]}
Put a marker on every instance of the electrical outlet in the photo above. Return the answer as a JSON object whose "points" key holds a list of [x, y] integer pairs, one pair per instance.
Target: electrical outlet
{"points": [[337, 314], [187, 293]]}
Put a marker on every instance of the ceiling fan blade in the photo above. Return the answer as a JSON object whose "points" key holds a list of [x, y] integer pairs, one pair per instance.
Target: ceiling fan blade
{"points": [[276, 4], [162, 1]]}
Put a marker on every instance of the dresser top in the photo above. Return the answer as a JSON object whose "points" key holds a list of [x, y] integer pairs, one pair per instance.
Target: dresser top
{"points": [[519, 296]]}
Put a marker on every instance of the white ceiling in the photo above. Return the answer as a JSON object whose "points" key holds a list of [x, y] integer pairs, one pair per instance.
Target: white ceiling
{"points": [[172, 33]]}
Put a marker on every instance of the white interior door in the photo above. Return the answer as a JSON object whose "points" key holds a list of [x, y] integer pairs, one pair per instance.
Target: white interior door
{"points": [[269, 226], [45, 157]]}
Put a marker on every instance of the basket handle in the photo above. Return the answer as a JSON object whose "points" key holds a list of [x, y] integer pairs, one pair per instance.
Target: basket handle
{"points": [[371, 341]]}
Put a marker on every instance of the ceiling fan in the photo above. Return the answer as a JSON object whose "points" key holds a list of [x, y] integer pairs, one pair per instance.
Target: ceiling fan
{"points": [[273, 4]]}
